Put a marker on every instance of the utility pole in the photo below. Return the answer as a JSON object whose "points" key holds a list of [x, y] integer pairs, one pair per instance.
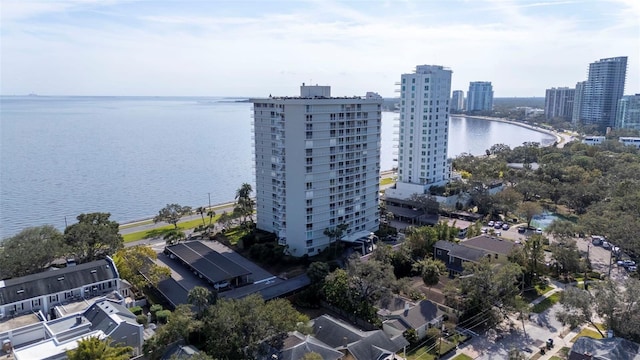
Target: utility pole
{"points": [[209, 200]]}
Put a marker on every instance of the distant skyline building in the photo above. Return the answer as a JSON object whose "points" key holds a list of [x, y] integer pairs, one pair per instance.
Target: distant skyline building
{"points": [[457, 100], [603, 89], [424, 126], [317, 161], [628, 116], [577, 102], [480, 96], [558, 103]]}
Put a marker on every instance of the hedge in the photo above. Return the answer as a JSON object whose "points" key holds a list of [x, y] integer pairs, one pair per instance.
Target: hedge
{"points": [[142, 319], [136, 310], [162, 316], [155, 308]]}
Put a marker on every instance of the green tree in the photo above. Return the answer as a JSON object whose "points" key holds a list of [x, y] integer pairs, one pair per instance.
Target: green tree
{"points": [[244, 203], [135, 264], [421, 240], [199, 297], [92, 348], [201, 210], [430, 270], [566, 255], [93, 236], [172, 213], [30, 251], [174, 236], [335, 234], [317, 272], [578, 307], [528, 210], [246, 323]]}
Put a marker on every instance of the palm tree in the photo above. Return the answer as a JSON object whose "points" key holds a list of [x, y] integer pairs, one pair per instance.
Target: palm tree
{"points": [[199, 297], [211, 214], [201, 210], [92, 348], [430, 270]]}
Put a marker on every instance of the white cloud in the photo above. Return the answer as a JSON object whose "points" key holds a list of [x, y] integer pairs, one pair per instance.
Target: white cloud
{"points": [[354, 48]]}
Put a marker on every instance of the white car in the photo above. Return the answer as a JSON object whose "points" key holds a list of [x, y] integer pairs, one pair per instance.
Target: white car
{"points": [[490, 223], [221, 285], [539, 231]]}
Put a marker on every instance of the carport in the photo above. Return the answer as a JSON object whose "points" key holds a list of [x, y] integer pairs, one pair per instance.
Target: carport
{"points": [[208, 263]]}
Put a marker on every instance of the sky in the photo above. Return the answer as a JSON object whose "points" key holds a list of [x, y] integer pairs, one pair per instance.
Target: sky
{"points": [[256, 48]]}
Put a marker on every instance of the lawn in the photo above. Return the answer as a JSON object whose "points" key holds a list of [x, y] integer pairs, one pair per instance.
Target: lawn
{"points": [[546, 303], [160, 231], [587, 332], [387, 181]]}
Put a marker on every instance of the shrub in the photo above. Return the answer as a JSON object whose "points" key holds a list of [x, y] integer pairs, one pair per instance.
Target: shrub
{"points": [[162, 316], [155, 308], [136, 310], [142, 319]]}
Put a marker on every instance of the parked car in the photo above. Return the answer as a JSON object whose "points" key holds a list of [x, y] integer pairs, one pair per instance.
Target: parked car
{"points": [[606, 245], [490, 223], [627, 263], [499, 223], [539, 231], [632, 268], [221, 285], [521, 229], [497, 226], [505, 226]]}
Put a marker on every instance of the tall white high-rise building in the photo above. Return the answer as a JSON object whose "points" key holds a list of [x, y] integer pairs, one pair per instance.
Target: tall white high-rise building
{"points": [[603, 89], [424, 127], [480, 96], [317, 161], [628, 112], [457, 100], [558, 103], [577, 102]]}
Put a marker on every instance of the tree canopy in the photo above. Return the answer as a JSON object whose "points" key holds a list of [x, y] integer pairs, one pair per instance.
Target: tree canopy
{"points": [[30, 251], [93, 237], [136, 266], [92, 348], [172, 213]]}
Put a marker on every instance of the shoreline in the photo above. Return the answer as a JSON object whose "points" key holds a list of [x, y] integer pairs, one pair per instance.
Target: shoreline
{"points": [[559, 138], [228, 204]]}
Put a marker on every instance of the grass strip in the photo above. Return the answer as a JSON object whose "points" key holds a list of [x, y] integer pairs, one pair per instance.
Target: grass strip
{"points": [[546, 303], [162, 230], [587, 332]]}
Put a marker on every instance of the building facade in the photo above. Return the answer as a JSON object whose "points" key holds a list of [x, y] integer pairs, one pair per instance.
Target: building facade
{"points": [[43, 291], [628, 116], [558, 103], [480, 96], [603, 89], [317, 161], [457, 100], [424, 127], [577, 102]]}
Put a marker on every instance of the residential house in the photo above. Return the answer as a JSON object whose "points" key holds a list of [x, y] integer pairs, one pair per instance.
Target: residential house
{"points": [[297, 345], [45, 290], [355, 343], [401, 315], [454, 255], [586, 348], [35, 337]]}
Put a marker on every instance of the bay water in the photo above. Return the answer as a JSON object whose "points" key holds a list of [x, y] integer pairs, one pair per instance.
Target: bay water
{"points": [[130, 156]]}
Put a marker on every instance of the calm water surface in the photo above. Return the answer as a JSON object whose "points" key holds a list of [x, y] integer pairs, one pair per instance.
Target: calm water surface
{"points": [[130, 156]]}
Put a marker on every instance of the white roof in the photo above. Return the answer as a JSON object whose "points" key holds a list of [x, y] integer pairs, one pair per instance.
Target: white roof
{"points": [[357, 236]]}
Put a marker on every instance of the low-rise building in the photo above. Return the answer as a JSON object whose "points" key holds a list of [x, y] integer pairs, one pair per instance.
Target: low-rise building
{"points": [[43, 291], [586, 348], [630, 141], [593, 140], [31, 337], [455, 255], [400, 315]]}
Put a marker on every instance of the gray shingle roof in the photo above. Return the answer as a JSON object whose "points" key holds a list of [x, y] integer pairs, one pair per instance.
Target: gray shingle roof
{"points": [[297, 345], [421, 314], [363, 345], [466, 253], [55, 281], [490, 244], [605, 349]]}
